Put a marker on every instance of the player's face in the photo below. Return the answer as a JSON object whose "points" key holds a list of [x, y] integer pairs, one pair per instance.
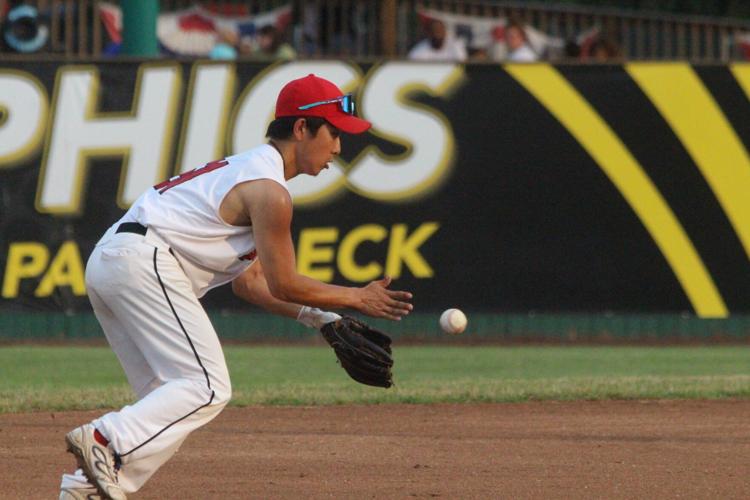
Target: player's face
{"points": [[319, 149]]}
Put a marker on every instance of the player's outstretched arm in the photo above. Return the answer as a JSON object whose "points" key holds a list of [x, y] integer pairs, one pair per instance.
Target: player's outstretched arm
{"points": [[269, 208], [251, 286]]}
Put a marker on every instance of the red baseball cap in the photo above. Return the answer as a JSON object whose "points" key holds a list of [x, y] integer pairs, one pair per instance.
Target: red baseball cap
{"points": [[319, 97]]}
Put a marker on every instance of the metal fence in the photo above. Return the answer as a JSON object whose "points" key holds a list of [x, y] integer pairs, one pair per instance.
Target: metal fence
{"points": [[389, 28]]}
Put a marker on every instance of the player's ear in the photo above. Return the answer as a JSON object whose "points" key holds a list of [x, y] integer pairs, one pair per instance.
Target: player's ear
{"points": [[300, 125]]}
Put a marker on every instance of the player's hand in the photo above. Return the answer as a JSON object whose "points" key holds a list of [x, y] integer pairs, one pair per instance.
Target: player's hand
{"points": [[378, 301]]}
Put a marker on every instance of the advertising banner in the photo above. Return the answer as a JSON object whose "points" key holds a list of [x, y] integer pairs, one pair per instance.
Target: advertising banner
{"points": [[515, 188]]}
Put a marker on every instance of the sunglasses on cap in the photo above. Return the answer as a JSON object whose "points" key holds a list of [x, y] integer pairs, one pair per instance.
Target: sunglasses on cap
{"points": [[346, 104]]}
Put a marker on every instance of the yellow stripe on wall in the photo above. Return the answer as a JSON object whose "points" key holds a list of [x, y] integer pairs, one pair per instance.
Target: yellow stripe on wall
{"points": [[741, 72], [613, 157], [701, 126]]}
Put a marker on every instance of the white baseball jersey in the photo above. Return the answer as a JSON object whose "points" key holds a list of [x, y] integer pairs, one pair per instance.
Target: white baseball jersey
{"points": [[184, 212]]}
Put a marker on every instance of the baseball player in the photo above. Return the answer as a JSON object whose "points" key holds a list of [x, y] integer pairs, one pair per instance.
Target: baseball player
{"points": [[228, 221]]}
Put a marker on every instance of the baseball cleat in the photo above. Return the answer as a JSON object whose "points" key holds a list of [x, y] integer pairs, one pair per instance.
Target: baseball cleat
{"points": [[90, 493], [97, 461]]}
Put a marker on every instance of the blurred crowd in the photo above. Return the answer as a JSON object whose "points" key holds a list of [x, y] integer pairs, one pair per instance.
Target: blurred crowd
{"points": [[316, 29], [506, 41], [267, 44]]}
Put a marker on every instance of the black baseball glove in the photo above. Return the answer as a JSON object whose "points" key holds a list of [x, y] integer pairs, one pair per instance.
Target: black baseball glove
{"points": [[365, 353]]}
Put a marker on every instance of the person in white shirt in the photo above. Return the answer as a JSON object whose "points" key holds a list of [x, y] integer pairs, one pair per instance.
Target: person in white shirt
{"points": [[439, 45], [519, 49], [228, 221]]}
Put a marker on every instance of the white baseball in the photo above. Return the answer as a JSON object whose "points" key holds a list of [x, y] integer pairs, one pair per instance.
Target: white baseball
{"points": [[453, 321]]}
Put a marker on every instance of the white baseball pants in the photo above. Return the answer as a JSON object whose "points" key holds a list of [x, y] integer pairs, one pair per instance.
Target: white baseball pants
{"points": [[165, 343]]}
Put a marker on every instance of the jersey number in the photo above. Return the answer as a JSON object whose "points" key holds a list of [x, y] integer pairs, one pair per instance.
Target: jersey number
{"points": [[162, 187]]}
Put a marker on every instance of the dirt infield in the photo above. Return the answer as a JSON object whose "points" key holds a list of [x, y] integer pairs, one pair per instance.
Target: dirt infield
{"points": [[621, 449]]}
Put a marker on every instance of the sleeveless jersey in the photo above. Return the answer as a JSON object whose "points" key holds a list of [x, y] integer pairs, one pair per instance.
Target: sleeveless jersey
{"points": [[184, 212]]}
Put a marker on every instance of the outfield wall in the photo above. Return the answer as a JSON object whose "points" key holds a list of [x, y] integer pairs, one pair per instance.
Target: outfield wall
{"points": [[418, 327], [517, 191]]}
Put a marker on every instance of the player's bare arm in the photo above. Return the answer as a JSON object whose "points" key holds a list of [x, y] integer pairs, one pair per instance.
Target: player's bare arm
{"points": [[252, 287], [269, 207]]}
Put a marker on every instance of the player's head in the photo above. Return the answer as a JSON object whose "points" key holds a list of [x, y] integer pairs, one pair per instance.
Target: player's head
{"points": [[312, 112], [436, 33], [315, 97], [515, 35]]}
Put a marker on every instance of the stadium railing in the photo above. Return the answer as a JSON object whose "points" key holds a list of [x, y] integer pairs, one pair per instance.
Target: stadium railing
{"points": [[389, 28]]}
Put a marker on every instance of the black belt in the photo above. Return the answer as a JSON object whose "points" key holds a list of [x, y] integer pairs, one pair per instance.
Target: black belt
{"points": [[132, 227]]}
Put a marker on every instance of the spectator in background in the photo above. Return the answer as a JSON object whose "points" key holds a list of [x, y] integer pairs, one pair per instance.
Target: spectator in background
{"points": [[479, 54], [604, 49], [226, 46], [519, 49], [439, 45], [271, 44]]}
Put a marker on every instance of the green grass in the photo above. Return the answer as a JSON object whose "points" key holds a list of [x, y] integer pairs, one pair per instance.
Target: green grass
{"points": [[35, 378]]}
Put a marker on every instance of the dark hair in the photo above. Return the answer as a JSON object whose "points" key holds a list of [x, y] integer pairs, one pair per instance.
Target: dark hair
{"points": [[282, 128], [607, 45], [268, 29], [275, 35], [515, 23]]}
